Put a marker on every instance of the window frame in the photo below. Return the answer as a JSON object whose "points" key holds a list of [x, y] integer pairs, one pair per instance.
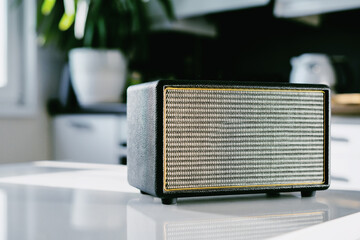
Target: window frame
{"points": [[3, 43], [19, 98]]}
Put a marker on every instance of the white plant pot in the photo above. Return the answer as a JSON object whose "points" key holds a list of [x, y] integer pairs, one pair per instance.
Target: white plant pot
{"points": [[97, 75]]}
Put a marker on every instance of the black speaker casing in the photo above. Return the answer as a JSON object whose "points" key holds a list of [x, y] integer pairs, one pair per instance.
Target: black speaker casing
{"points": [[145, 138]]}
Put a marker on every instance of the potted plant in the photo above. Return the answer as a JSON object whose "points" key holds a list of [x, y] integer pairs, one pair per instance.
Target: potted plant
{"points": [[98, 36]]}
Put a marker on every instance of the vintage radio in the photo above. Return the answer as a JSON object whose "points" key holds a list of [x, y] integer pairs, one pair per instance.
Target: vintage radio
{"points": [[194, 138]]}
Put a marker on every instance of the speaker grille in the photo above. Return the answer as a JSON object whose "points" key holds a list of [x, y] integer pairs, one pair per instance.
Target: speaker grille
{"points": [[223, 138]]}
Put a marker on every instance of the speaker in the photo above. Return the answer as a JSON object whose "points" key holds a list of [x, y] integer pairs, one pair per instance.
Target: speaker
{"points": [[195, 138]]}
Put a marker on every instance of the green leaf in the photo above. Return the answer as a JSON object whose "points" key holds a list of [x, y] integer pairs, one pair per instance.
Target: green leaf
{"points": [[89, 33], [122, 24], [167, 5], [47, 6], [102, 32], [66, 21]]}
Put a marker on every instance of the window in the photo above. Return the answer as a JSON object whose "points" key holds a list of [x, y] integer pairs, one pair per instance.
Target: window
{"points": [[3, 215], [17, 58], [3, 42]]}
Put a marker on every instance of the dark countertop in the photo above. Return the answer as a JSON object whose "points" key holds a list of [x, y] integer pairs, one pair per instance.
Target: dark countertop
{"points": [[54, 107]]}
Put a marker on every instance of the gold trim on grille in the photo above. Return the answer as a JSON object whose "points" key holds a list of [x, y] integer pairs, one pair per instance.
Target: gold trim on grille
{"points": [[235, 89]]}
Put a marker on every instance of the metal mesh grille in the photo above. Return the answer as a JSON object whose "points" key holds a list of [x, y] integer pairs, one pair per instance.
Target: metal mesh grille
{"points": [[242, 228], [227, 138]]}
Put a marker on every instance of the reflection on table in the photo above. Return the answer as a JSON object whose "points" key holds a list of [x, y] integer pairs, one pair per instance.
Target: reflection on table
{"points": [[246, 217]]}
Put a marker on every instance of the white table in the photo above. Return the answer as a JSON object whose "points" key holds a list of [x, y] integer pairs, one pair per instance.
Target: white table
{"points": [[57, 200]]}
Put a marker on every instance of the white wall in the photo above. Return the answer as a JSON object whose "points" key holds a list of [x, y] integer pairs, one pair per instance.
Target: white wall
{"points": [[24, 139], [29, 138]]}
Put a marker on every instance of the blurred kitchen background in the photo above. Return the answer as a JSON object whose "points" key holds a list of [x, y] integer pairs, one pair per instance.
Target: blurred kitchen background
{"points": [[47, 58]]}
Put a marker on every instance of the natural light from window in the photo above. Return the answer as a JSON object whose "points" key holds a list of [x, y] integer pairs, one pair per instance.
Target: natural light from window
{"points": [[18, 84], [3, 213], [3, 36]]}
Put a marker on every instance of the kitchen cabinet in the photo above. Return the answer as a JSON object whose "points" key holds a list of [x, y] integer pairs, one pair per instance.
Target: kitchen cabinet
{"points": [[91, 138], [345, 150]]}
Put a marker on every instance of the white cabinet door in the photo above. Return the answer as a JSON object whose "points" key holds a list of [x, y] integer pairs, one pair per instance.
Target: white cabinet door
{"points": [[345, 152], [90, 138]]}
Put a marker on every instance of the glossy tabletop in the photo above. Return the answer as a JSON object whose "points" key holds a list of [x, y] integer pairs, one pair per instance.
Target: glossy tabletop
{"points": [[56, 200]]}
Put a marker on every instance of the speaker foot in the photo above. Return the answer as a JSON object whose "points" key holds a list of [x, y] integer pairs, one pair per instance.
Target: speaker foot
{"points": [[169, 201], [143, 193], [308, 193], [273, 194]]}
